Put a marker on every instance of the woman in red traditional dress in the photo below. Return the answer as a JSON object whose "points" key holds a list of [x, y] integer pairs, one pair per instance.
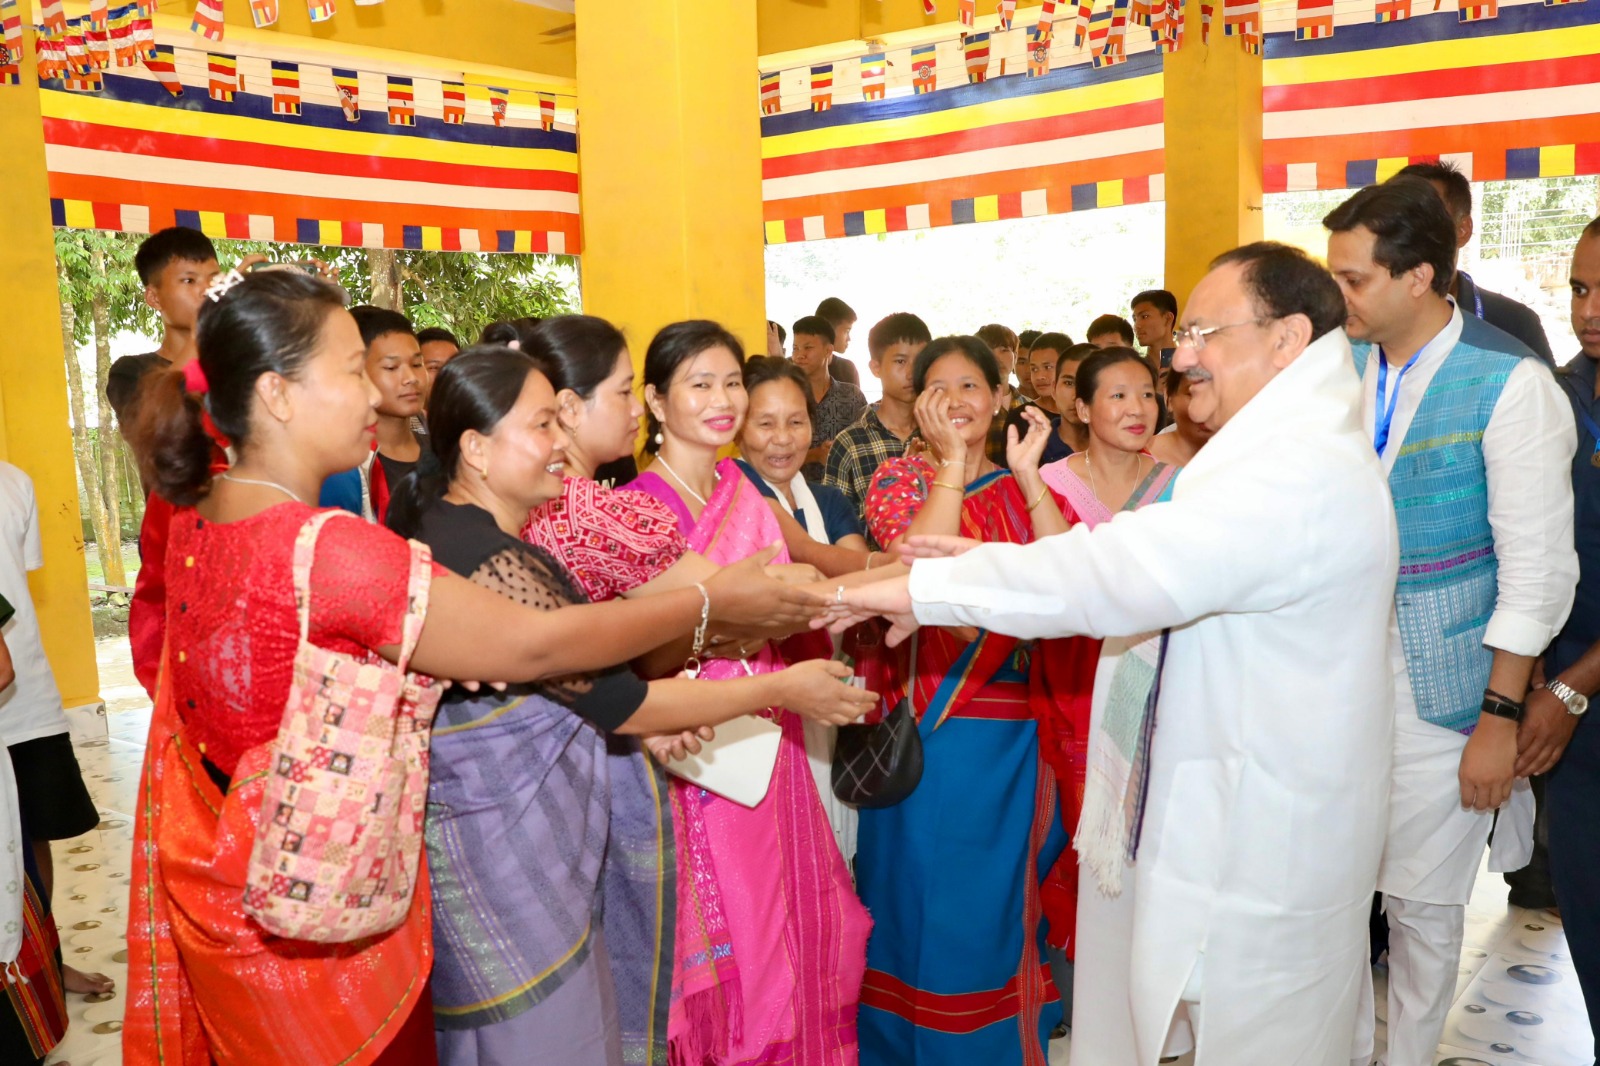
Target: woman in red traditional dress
{"points": [[285, 366], [952, 875]]}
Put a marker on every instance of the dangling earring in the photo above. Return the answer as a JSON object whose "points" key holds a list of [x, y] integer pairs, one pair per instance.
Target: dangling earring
{"points": [[659, 438], [483, 472]]}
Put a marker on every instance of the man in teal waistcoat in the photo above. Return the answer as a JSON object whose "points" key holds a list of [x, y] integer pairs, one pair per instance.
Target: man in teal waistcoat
{"points": [[1476, 438]]}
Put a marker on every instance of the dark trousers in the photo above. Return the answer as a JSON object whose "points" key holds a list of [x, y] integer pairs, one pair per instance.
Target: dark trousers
{"points": [[1572, 794]]}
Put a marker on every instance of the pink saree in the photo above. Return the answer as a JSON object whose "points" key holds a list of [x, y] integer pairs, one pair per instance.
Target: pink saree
{"points": [[771, 939]]}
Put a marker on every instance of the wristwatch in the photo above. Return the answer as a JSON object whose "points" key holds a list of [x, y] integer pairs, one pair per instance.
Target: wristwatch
{"points": [[1577, 703]]}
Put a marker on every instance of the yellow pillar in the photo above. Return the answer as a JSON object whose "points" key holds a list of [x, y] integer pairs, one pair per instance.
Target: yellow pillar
{"points": [[35, 433], [669, 166], [1213, 158]]}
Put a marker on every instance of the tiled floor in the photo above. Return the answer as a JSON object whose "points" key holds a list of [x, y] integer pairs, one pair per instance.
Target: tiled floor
{"points": [[1517, 998]]}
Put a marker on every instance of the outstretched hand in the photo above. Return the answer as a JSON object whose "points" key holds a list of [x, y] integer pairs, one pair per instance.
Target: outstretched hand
{"points": [[745, 595], [934, 546], [889, 599], [669, 746]]}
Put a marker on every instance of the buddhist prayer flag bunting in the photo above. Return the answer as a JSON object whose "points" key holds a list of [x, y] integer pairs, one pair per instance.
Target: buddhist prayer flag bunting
{"points": [[968, 13], [347, 83], [1166, 24], [143, 31], [97, 42], [92, 82], [402, 102], [144, 9], [78, 61], [1392, 10], [977, 49], [1242, 18], [874, 72], [1313, 20], [1114, 49], [1207, 10], [1047, 17], [163, 64], [924, 68], [52, 53], [224, 71], [498, 101], [927, 7], [1141, 13], [10, 32], [264, 13], [1080, 23], [1474, 10], [547, 111], [455, 102], [53, 17], [1038, 55], [285, 88], [320, 10], [822, 87], [770, 103], [1008, 13], [121, 34], [10, 74], [208, 19]]}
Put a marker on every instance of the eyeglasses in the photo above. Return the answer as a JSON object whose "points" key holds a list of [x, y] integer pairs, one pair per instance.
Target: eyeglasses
{"points": [[1195, 336]]}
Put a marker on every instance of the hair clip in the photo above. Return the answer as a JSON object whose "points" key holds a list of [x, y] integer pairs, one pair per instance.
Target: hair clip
{"points": [[194, 378], [223, 285]]}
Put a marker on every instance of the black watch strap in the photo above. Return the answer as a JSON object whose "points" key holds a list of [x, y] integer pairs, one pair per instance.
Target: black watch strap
{"points": [[1500, 707]]}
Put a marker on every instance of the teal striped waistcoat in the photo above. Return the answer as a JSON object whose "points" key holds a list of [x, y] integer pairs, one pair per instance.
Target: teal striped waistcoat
{"points": [[1448, 579]]}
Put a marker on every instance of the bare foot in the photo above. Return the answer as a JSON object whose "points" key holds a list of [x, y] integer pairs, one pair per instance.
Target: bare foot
{"points": [[86, 984]]}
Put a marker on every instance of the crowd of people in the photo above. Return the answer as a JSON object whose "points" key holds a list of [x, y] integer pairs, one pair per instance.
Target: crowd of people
{"points": [[1220, 643]]}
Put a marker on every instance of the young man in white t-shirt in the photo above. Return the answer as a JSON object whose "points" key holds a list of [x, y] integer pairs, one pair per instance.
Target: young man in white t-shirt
{"points": [[51, 795]]}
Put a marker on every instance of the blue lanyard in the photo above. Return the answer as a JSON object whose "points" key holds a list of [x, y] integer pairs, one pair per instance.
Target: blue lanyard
{"points": [[1477, 298], [1384, 417]]}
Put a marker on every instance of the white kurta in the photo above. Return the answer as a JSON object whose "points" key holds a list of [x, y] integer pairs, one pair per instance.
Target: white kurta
{"points": [[1275, 565]]}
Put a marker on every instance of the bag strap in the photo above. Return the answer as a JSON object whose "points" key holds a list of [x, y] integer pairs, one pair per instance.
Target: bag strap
{"points": [[305, 553], [420, 581]]}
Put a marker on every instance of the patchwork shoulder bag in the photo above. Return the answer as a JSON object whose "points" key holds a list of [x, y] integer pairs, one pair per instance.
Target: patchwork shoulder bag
{"points": [[340, 840]]}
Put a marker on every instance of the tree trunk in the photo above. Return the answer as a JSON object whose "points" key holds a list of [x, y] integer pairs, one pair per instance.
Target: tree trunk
{"points": [[111, 543], [384, 265], [88, 468]]}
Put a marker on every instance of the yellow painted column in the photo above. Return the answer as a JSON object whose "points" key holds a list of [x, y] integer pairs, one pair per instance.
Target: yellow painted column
{"points": [[1212, 120], [669, 165], [35, 433]]}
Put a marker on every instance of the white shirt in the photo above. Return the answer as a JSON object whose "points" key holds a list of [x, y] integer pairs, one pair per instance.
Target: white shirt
{"points": [[1527, 456], [30, 708]]}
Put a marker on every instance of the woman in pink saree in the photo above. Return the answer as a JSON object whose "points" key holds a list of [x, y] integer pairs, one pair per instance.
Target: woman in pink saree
{"points": [[771, 944]]}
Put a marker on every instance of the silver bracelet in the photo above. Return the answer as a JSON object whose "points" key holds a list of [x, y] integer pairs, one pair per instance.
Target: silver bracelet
{"points": [[691, 666]]}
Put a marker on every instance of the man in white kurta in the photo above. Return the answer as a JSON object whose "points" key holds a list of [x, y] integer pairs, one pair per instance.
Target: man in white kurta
{"points": [[1274, 566], [1477, 441]]}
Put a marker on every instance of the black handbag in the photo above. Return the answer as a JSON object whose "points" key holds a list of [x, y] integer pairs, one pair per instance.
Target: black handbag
{"points": [[878, 765]]}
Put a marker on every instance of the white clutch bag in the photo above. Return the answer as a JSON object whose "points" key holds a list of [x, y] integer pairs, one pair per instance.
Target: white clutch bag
{"points": [[738, 764]]}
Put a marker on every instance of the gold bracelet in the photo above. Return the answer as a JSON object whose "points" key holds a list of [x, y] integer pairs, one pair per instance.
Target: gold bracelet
{"points": [[1037, 500], [947, 485]]}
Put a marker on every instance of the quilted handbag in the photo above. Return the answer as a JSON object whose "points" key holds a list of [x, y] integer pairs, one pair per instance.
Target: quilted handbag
{"points": [[337, 855], [880, 764]]}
